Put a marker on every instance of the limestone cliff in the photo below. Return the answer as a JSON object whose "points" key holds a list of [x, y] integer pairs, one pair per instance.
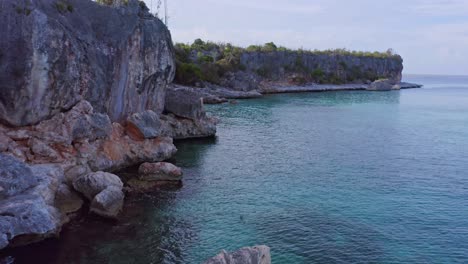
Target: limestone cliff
{"points": [[334, 67], [260, 67], [55, 53], [82, 93]]}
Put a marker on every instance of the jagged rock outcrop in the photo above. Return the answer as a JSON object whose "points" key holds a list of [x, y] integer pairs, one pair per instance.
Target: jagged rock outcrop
{"points": [[247, 255], [119, 59]]}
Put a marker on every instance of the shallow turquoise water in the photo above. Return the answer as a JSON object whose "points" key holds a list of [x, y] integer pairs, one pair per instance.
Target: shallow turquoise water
{"points": [[335, 177]]}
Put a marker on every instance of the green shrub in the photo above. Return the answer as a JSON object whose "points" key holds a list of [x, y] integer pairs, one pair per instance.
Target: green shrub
{"points": [[254, 48], [269, 47], [187, 73]]}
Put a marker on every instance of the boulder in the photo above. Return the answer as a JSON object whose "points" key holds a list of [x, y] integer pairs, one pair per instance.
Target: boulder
{"points": [[108, 203], [104, 190], [119, 58], [160, 171], [247, 255], [145, 125], [184, 103], [95, 182], [383, 85]]}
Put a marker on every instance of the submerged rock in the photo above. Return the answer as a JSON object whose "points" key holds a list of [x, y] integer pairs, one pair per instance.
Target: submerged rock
{"points": [[247, 255]]}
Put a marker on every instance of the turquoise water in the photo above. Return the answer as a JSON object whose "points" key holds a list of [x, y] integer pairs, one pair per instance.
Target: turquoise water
{"points": [[335, 177]]}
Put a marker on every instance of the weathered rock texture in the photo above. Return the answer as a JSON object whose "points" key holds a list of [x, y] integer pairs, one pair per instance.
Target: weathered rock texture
{"points": [[54, 54], [27, 210], [57, 141], [248, 255]]}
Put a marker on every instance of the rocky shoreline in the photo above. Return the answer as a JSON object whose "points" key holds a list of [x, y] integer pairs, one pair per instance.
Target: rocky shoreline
{"points": [[217, 95], [87, 101]]}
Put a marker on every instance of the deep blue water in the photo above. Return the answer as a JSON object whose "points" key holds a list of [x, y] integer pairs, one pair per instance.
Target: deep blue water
{"points": [[333, 177]]}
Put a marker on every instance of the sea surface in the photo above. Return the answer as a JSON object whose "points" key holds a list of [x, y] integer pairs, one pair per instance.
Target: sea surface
{"points": [[330, 177]]}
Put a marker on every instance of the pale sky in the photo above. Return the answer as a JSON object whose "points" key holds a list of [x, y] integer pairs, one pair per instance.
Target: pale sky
{"points": [[431, 35]]}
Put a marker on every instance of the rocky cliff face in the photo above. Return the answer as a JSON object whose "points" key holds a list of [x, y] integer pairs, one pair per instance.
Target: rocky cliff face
{"points": [[55, 53], [82, 93], [333, 67]]}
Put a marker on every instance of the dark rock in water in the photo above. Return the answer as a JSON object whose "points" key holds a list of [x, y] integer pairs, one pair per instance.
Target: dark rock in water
{"points": [[119, 59], [145, 125], [184, 103], [247, 255]]}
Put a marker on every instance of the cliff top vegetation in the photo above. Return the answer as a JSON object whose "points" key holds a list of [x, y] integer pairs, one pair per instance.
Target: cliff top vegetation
{"points": [[209, 61]]}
